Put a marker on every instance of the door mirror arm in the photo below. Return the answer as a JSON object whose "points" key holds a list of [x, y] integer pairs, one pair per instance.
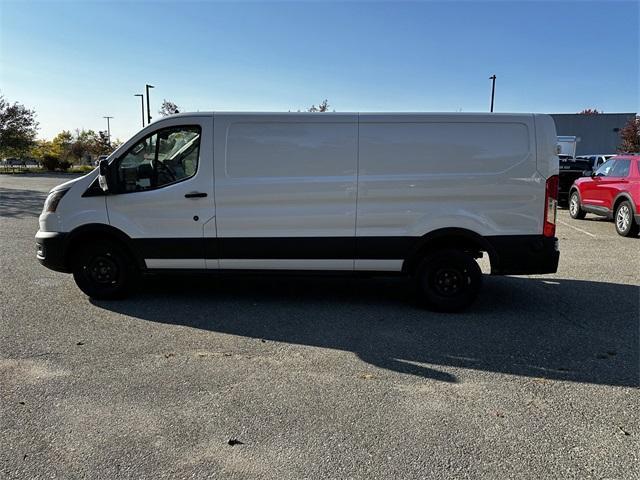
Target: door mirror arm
{"points": [[104, 176]]}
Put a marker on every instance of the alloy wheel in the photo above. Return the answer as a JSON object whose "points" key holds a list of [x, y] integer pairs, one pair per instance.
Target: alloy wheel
{"points": [[573, 205], [623, 218]]}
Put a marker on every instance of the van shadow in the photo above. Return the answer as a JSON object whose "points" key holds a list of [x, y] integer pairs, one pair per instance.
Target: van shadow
{"points": [[21, 203], [568, 330]]}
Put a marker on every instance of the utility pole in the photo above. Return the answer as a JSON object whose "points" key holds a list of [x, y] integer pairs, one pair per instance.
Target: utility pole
{"points": [[141, 95], [147, 87], [493, 89], [108, 130]]}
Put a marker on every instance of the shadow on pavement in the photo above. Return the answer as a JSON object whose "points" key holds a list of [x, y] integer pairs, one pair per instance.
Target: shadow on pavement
{"points": [[570, 330], [21, 203]]}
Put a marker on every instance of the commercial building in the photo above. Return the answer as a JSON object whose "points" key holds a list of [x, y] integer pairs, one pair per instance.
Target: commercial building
{"points": [[596, 133]]}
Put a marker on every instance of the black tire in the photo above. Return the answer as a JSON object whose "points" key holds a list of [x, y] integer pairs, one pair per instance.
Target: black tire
{"points": [[449, 280], [575, 210], [103, 270], [624, 221]]}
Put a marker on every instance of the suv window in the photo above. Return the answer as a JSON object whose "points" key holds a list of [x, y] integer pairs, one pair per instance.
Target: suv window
{"points": [[606, 168], [162, 158], [620, 169]]}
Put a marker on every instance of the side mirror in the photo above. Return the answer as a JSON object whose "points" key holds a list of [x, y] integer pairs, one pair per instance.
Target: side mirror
{"points": [[103, 175]]}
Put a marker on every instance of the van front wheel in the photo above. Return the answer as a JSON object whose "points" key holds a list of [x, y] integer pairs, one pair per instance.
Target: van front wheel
{"points": [[103, 270], [449, 280]]}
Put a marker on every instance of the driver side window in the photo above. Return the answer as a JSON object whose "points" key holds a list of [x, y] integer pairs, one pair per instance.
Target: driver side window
{"points": [[165, 157], [605, 169]]}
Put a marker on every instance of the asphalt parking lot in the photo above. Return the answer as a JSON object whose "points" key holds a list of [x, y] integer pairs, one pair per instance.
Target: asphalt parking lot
{"points": [[319, 377]]}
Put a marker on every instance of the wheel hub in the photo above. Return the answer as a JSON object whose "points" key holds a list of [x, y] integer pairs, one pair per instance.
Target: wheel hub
{"points": [[448, 281], [102, 269]]}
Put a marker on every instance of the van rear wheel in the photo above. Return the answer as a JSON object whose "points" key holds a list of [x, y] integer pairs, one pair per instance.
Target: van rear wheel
{"points": [[104, 271], [449, 280]]}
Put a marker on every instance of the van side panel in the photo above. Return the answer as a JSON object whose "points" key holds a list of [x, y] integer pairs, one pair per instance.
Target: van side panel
{"points": [[283, 184], [548, 163], [422, 173]]}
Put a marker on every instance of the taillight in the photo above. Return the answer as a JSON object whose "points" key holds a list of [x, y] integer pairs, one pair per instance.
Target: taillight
{"points": [[550, 206]]}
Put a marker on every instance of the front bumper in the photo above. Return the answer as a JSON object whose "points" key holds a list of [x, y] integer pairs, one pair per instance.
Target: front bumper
{"points": [[51, 248], [524, 254]]}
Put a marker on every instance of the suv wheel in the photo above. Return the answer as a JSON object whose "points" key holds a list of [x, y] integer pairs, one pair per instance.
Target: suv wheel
{"points": [[574, 207], [623, 218], [449, 280], [104, 271]]}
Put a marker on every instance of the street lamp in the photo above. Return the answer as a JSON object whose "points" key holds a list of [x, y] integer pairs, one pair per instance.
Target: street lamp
{"points": [[147, 87], [141, 95], [493, 89], [108, 130]]}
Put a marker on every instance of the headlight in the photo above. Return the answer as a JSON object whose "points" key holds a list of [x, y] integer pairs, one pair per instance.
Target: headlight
{"points": [[52, 201]]}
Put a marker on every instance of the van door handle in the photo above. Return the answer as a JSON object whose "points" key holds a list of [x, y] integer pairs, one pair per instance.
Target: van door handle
{"points": [[195, 195]]}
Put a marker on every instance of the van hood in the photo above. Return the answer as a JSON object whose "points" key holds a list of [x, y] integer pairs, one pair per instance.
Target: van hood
{"points": [[72, 182]]}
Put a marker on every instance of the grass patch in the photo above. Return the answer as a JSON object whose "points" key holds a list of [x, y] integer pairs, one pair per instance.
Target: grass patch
{"points": [[83, 169]]}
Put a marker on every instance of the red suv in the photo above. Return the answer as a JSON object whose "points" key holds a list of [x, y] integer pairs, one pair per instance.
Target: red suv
{"points": [[612, 191]]}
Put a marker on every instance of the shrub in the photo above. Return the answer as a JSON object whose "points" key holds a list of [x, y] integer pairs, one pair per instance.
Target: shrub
{"points": [[50, 162], [82, 168], [64, 165]]}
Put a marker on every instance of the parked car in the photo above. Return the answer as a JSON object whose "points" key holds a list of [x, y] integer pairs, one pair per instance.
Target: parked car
{"points": [[570, 169], [611, 191], [421, 195], [595, 160], [13, 162]]}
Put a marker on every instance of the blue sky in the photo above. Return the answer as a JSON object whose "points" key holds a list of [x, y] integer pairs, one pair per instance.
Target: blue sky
{"points": [[74, 62]]}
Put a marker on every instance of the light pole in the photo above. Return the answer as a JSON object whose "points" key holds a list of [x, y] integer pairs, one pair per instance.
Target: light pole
{"points": [[141, 95], [493, 89], [108, 130], [147, 87]]}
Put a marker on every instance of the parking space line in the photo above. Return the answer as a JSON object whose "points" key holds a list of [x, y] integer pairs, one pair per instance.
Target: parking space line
{"points": [[576, 228]]}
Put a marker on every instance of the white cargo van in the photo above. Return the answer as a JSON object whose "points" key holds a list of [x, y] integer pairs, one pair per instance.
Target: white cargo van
{"points": [[414, 194]]}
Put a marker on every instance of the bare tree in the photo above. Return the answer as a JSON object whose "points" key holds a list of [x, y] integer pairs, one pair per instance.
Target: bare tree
{"points": [[168, 108], [590, 111], [322, 107]]}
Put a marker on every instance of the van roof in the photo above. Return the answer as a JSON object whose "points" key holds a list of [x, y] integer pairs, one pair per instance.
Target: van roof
{"points": [[462, 114]]}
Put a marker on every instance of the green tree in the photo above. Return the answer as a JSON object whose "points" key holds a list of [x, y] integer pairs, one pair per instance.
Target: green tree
{"points": [[18, 128], [40, 148], [81, 144], [61, 145], [590, 111], [103, 144]]}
